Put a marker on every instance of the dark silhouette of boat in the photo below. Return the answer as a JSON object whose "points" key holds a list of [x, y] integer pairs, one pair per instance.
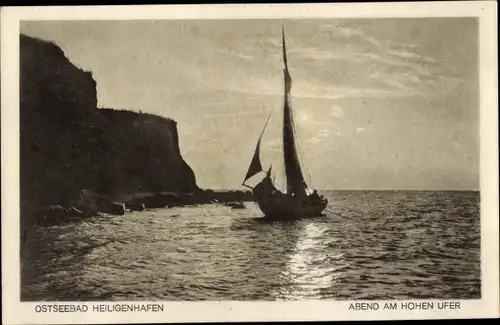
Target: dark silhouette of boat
{"points": [[297, 201]]}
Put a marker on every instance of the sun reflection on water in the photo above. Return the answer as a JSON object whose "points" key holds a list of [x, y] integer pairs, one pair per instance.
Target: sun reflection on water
{"points": [[308, 270]]}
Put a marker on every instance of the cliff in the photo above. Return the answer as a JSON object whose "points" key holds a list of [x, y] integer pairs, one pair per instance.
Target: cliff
{"points": [[144, 154], [68, 144]]}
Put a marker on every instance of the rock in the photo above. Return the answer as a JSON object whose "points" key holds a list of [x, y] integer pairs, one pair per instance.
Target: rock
{"points": [[54, 214], [115, 208], [135, 206], [235, 205], [68, 143]]}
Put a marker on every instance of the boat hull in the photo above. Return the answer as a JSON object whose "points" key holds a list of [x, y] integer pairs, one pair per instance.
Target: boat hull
{"points": [[282, 206]]}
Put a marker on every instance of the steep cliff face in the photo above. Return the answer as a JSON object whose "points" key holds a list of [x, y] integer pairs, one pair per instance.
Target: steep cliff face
{"points": [[144, 154], [68, 144]]}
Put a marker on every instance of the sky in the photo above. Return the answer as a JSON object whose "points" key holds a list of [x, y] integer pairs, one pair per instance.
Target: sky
{"points": [[380, 104]]}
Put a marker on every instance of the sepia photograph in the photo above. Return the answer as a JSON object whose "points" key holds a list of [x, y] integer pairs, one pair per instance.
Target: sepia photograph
{"points": [[278, 159]]}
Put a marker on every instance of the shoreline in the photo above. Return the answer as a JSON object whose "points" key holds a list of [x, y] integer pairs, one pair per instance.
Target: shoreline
{"points": [[98, 205]]}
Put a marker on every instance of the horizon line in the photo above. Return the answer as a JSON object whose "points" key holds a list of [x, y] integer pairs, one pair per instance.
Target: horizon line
{"points": [[374, 190]]}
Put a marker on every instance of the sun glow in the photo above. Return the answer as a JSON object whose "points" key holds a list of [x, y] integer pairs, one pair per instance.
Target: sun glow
{"points": [[304, 117]]}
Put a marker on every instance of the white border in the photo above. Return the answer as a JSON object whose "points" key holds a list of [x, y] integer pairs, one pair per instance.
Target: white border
{"points": [[15, 312]]}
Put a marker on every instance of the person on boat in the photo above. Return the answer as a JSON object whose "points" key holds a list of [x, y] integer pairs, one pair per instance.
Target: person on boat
{"points": [[314, 196]]}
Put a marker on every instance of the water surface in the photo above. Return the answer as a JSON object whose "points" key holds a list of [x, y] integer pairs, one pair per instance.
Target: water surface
{"points": [[371, 245]]}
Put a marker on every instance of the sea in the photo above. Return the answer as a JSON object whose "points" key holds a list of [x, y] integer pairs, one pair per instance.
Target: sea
{"points": [[368, 245]]}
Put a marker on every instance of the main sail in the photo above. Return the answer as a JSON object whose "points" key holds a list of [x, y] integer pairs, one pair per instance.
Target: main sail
{"points": [[295, 182]]}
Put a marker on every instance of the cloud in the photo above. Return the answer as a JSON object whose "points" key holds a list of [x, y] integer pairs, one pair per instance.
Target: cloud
{"points": [[400, 70], [407, 55], [350, 31], [337, 111], [395, 83], [316, 54], [319, 90], [405, 45], [324, 133], [428, 59], [372, 40], [414, 79], [411, 62], [272, 143], [232, 114], [246, 56], [359, 130], [314, 89], [314, 140], [404, 54], [359, 34], [329, 123], [385, 61], [218, 103]]}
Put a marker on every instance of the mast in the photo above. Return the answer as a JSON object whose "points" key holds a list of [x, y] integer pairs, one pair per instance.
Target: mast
{"points": [[295, 182]]}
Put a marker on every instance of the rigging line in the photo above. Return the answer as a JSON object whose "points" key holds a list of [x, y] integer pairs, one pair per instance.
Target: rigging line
{"points": [[268, 119], [265, 125]]}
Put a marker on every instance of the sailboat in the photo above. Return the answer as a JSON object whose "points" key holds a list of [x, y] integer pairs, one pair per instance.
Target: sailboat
{"points": [[297, 201]]}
